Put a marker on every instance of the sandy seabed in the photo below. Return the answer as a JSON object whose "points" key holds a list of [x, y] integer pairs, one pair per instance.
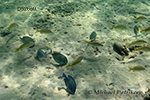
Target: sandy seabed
{"points": [[101, 75]]}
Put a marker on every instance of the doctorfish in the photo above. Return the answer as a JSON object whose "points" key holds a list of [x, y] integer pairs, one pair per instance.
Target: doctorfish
{"points": [[93, 36], [70, 83], [40, 54], [27, 44], [59, 58]]}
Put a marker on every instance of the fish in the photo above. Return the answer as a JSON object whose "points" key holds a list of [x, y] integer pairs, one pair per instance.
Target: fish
{"points": [[93, 43], [136, 30], [11, 38], [143, 48], [43, 31], [118, 27], [40, 54], [27, 39], [59, 58], [139, 18], [78, 60], [137, 68], [145, 3], [93, 36], [5, 33], [138, 42], [70, 84], [11, 26], [139, 13], [145, 30], [27, 44]]}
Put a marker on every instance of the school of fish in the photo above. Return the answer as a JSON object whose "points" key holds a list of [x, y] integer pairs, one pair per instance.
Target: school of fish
{"points": [[61, 60]]}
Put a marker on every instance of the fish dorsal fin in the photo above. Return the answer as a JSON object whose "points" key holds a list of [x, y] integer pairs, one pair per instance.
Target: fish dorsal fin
{"points": [[64, 75]]}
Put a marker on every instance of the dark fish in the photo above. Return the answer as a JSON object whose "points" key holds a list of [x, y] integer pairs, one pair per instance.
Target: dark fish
{"points": [[93, 36], [11, 38], [40, 54], [59, 58], [70, 83], [136, 30], [3, 34], [145, 3], [25, 39]]}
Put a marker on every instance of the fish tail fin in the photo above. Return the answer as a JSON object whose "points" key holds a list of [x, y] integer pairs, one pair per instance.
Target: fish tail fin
{"points": [[111, 27], [16, 49], [64, 75], [135, 49], [72, 65], [50, 52], [85, 41], [130, 69], [36, 31], [141, 29], [135, 20], [127, 44], [67, 65]]}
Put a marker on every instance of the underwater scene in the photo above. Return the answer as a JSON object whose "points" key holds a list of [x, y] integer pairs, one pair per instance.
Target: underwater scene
{"points": [[74, 49]]}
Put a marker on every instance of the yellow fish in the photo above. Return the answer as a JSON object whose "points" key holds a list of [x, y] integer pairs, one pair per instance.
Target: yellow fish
{"points": [[78, 60], [145, 30], [11, 26], [138, 42], [144, 48], [137, 68], [139, 18], [93, 43], [118, 27], [43, 31], [26, 44]]}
